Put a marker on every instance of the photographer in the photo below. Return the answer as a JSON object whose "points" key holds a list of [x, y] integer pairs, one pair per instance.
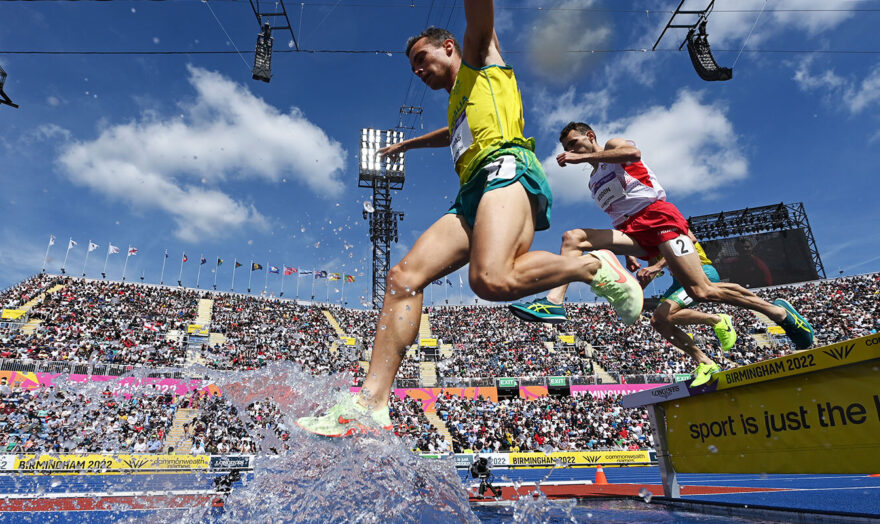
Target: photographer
{"points": [[480, 469]]}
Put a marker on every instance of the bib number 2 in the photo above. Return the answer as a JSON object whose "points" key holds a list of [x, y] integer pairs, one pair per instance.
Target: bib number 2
{"points": [[682, 246]]}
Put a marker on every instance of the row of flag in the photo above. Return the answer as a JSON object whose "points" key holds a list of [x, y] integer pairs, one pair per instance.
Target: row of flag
{"points": [[287, 270]]}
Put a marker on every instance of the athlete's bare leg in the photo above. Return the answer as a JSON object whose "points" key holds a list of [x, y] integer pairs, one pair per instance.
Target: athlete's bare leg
{"points": [[576, 241], [666, 319], [502, 267], [688, 270], [442, 249]]}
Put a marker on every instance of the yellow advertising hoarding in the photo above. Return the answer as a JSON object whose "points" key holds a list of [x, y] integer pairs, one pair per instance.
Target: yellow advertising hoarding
{"points": [[585, 458], [102, 464], [825, 422], [12, 314], [775, 330], [349, 341], [428, 342], [566, 339]]}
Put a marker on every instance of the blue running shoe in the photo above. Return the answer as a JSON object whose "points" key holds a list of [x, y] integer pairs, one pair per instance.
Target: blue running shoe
{"points": [[540, 310], [796, 327]]}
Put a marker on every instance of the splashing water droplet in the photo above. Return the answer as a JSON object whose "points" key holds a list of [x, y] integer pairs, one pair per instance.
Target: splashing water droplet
{"points": [[713, 449], [645, 494]]}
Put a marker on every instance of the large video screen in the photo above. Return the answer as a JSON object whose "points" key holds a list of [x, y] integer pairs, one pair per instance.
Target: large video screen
{"points": [[763, 259]]}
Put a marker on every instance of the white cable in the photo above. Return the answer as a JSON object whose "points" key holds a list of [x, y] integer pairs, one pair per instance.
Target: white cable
{"points": [[750, 34], [207, 3]]}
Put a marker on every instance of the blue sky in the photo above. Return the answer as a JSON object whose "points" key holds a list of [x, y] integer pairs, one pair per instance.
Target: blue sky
{"points": [[188, 153]]}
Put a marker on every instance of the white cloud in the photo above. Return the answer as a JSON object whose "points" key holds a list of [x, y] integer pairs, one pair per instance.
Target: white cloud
{"points": [[853, 94], [177, 164], [558, 31], [557, 110], [690, 145]]}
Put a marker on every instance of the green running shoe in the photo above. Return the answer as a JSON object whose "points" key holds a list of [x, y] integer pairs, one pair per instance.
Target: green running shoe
{"points": [[621, 289], [725, 332], [346, 418], [796, 327], [704, 373], [540, 310]]}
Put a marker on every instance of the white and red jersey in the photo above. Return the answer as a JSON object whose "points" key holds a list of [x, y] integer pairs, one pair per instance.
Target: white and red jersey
{"points": [[622, 190]]}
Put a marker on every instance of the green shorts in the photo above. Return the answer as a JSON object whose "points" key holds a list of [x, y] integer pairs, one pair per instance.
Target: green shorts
{"points": [[676, 291], [507, 165]]}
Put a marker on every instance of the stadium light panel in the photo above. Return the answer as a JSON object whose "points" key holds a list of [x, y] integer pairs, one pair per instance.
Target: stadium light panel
{"points": [[263, 55]]}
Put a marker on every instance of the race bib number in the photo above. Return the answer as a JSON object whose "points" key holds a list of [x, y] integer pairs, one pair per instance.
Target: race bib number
{"points": [[682, 246], [462, 138], [502, 169], [608, 191]]}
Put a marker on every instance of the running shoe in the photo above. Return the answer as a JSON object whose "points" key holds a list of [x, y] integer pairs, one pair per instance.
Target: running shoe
{"points": [[539, 310], [704, 373], [796, 327], [346, 418], [621, 289], [725, 332]]}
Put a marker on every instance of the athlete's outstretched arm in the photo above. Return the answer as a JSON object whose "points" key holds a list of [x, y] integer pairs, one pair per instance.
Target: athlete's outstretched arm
{"points": [[438, 138], [480, 41], [617, 151]]}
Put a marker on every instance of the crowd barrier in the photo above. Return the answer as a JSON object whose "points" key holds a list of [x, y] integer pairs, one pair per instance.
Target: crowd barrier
{"points": [[126, 386], [119, 463]]}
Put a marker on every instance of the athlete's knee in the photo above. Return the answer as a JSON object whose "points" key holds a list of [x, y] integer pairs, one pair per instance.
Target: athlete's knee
{"points": [[578, 238], [493, 287], [402, 278], [703, 292], [661, 319]]}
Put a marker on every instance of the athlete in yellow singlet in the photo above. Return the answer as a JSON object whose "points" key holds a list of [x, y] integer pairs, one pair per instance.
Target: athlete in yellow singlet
{"points": [[503, 199]]}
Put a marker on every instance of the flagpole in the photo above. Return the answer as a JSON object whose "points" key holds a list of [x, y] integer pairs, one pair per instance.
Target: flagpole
{"points": [[327, 289], [46, 258], [446, 285], [199, 273], [64, 264], [162, 275], [234, 267], [266, 285], [342, 296], [87, 257], [297, 284], [431, 285], [125, 265], [216, 270], [250, 274], [180, 273], [314, 276], [106, 258], [283, 274], [460, 285]]}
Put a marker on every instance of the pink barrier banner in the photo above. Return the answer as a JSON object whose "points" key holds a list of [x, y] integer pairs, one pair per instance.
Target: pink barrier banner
{"points": [[603, 390], [429, 396], [125, 386]]}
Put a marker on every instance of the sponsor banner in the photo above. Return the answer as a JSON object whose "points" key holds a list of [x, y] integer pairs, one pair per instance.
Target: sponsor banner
{"points": [[464, 460], [533, 392], [126, 386], [557, 381], [7, 462], [428, 342], [825, 422], [850, 351], [582, 458], [567, 339], [506, 382], [775, 330], [230, 462], [12, 314], [349, 341], [656, 394], [429, 396], [603, 390], [96, 464]]}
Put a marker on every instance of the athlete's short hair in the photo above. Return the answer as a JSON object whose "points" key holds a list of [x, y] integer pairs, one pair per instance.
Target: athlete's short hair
{"points": [[580, 127], [436, 36]]}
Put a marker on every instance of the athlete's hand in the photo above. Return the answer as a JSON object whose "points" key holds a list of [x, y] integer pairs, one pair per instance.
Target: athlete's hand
{"points": [[646, 275], [632, 264], [568, 157], [392, 150]]}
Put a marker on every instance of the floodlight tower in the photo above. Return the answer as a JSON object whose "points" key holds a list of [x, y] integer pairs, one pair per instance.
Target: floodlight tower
{"points": [[382, 175]]}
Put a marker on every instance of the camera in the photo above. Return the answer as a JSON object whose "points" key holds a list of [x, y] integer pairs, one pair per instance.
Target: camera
{"points": [[480, 469]]}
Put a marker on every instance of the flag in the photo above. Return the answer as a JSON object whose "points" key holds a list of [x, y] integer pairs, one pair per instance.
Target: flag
{"points": [[132, 251], [203, 261], [321, 274], [289, 270], [185, 258], [448, 282], [112, 250], [71, 244], [150, 327], [166, 253], [437, 282], [256, 267], [238, 264], [334, 276], [93, 246], [219, 261], [349, 278], [273, 269], [51, 240], [305, 272]]}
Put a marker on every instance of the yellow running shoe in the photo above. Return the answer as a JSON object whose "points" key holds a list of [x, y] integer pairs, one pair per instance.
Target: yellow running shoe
{"points": [[346, 418], [704, 373], [617, 285], [725, 332]]}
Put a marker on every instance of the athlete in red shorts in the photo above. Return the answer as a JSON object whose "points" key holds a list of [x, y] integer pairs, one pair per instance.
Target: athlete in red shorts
{"points": [[645, 225]]}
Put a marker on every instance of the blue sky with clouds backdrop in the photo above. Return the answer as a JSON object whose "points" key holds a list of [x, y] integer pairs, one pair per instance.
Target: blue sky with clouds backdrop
{"points": [[186, 152]]}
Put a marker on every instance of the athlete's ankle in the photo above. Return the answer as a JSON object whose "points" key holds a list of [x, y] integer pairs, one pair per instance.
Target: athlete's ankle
{"points": [[591, 266], [555, 300]]}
